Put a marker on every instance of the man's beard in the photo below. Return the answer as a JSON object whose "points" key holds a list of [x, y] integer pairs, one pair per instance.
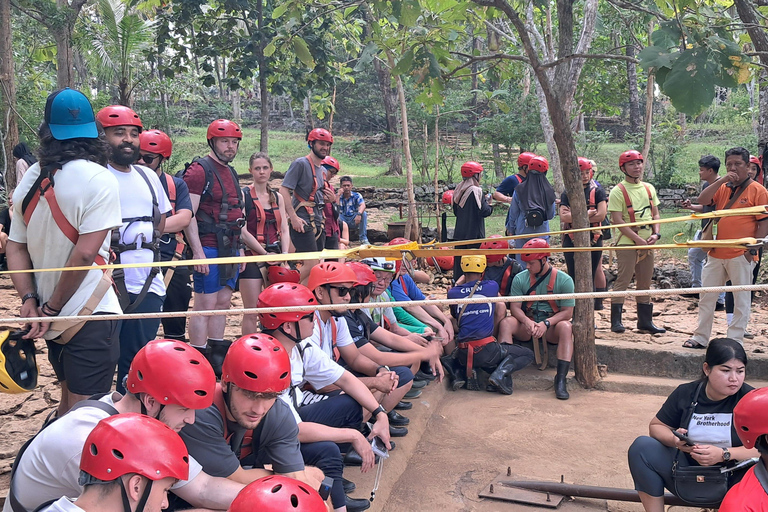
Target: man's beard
{"points": [[317, 154], [118, 157]]}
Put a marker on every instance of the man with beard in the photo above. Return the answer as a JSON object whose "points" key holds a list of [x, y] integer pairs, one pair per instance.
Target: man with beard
{"points": [[144, 206], [302, 190], [87, 197], [217, 204]]}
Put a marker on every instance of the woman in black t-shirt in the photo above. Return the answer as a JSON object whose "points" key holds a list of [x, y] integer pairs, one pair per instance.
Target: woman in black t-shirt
{"points": [[711, 433]]}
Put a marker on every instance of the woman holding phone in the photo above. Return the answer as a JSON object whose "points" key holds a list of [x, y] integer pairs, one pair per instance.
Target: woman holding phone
{"points": [[709, 438]]}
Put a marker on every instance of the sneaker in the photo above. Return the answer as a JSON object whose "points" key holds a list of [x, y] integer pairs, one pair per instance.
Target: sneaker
{"points": [[749, 335]]}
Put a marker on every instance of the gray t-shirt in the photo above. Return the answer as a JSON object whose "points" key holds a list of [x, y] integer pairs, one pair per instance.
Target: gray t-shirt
{"points": [[275, 441], [301, 180]]}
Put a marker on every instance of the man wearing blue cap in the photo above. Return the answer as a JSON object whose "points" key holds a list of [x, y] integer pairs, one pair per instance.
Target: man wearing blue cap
{"points": [[68, 225]]}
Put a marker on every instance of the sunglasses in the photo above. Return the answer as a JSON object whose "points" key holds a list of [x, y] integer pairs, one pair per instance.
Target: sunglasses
{"points": [[341, 290], [148, 158]]}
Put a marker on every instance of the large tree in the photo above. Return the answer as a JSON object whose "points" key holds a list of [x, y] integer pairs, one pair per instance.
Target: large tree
{"points": [[9, 129]]}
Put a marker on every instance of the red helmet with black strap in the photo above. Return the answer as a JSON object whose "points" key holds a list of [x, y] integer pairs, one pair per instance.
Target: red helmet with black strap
{"points": [[532, 245], [277, 274], [629, 156], [116, 447], [257, 363], [538, 163], [282, 295], [585, 164], [173, 373], [469, 169], [319, 134], [155, 141], [524, 158], [224, 128], [277, 493], [118, 115], [496, 244], [750, 416], [330, 272], [448, 197], [329, 161], [363, 273]]}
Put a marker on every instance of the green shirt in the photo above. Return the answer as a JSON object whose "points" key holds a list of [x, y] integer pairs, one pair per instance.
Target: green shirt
{"points": [[638, 195], [541, 308]]}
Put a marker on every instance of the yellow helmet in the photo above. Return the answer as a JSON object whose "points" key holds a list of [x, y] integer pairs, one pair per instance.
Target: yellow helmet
{"points": [[473, 263], [18, 366]]}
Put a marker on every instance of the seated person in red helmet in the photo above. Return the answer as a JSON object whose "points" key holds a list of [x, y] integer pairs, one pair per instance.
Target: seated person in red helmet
{"points": [[477, 346], [499, 267], [247, 426], [549, 320], [750, 417], [278, 493], [337, 418], [139, 479], [49, 467]]}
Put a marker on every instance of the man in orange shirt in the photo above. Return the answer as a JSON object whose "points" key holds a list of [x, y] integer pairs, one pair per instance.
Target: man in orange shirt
{"points": [[733, 265]]}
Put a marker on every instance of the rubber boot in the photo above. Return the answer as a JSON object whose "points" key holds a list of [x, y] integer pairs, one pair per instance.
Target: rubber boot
{"points": [[502, 375], [599, 302], [217, 351], [645, 320], [455, 372], [561, 387], [616, 310]]}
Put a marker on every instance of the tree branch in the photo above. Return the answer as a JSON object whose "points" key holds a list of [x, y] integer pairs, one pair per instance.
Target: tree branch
{"points": [[588, 56], [636, 7], [473, 59]]}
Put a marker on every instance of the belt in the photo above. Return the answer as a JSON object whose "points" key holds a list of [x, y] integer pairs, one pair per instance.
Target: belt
{"points": [[476, 346]]}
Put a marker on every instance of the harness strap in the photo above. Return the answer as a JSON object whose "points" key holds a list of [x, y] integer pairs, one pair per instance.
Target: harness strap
{"points": [[550, 289], [334, 332], [628, 201], [590, 204], [308, 203], [473, 347], [505, 279], [246, 444]]}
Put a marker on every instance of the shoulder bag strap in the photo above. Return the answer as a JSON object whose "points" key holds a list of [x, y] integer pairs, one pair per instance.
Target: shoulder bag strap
{"points": [[464, 306]]}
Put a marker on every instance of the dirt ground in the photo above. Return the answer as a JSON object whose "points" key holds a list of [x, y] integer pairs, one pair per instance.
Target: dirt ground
{"points": [[468, 438]]}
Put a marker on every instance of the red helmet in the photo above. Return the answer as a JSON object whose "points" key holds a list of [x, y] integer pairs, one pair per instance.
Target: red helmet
{"points": [[448, 197], [469, 169], [224, 128], [277, 493], [444, 262], [281, 295], [750, 416], [585, 164], [630, 156], [754, 160], [320, 134], [277, 274], [329, 161], [535, 243], [496, 244], [330, 272], [155, 141], [190, 384], [538, 163], [257, 363], [115, 447], [118, 115], [363, 272], [524, 158], [398, 241]]}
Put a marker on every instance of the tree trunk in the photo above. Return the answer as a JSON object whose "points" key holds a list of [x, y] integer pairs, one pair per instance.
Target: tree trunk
{"points": [[437, 171], [634, 96], [8, 95], [648, 115], [412, 223], [309, 121], [498, 169], [390, 110], [473, 103], [263, 93], [64, 67], [762, 100], [549, 138], [237, 114]]}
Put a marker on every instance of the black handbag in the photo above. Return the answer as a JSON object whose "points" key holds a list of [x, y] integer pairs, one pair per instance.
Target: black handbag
{"points": [[705, 486]]}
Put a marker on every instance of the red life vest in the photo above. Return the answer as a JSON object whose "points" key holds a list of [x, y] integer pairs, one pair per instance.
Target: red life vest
{"points": [[254, 205]]}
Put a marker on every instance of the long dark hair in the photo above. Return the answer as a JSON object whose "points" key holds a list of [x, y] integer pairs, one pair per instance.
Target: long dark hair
{"points": [[722, 350], [22, 152], [54, 153]]}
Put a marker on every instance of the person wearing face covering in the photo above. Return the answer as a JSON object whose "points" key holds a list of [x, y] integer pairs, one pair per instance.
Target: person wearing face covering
{"points": [[470, 209], [533, 204]]}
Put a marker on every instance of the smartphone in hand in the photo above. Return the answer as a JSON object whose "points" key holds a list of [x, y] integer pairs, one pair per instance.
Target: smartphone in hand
{"points": [[682, 437]]}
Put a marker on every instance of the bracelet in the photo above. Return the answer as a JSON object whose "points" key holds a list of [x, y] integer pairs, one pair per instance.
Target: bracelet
{"points": [[31, 295], [380, 367], [50, 311], [377, 410]]}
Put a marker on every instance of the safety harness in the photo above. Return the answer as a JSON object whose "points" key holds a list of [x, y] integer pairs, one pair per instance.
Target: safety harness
{"points": [[334, 330], [592, 204], [43, 187], [241, 446], [227, 232], [119, 247], [552, 273], [308, 204], [252, 204], [181, 246], [474, 346]]}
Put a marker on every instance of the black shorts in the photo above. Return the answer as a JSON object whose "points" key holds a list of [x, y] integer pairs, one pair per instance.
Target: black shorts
{"points": [[311, 240], [251, 272], [87, 363], [332, 242]]}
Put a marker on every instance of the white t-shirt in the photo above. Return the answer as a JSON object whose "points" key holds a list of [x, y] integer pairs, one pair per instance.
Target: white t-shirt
{"points": [[63, 504], [323, 335], [50, 467], [87, 196], [315, 367], [136, 201]]}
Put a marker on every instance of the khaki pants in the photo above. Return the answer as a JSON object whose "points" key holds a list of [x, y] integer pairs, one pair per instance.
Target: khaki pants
{"points": [[716, 272], [629, 266]]}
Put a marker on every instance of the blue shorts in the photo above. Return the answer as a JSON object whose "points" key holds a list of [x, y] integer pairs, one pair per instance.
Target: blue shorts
{"points": [[210, 283]]}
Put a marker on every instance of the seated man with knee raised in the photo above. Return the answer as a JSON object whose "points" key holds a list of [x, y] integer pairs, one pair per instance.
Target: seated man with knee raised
{"points": [[548, 320]]}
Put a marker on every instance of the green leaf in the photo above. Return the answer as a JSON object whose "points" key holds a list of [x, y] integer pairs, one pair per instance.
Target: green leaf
{"points": [[409, 13], [302, 52], [404, 64], [668, 35], [269, 50], [366, 57], [280, 10], [690, 84], [656, 57], [350, 10]]}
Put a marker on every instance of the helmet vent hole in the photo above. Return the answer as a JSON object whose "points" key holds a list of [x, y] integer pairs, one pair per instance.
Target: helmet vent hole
{"points": [[283, 375], [180, 349], [294, 501], [744, 428], [139, 375], [277, 488], [192, 361], [185, 459], [94, 450], [118, 454], [256, 348], [303, 489], [200, 392], [275, 349], [4, 386], [251, 375]]}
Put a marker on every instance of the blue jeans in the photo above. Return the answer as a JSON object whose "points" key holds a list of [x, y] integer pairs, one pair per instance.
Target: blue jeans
{"points": [[362, 229], [137, 333]]}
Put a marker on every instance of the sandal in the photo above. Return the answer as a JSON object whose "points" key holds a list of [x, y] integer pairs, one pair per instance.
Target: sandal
{"points": [[693, 344]]}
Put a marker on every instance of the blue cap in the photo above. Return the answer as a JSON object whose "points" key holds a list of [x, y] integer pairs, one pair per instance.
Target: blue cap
{"points": [[69, 115]]}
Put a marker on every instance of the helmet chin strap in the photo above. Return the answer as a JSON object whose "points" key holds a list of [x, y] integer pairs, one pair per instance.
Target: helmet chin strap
{"points": [[542, 263], [290, 336], [142, 501]]}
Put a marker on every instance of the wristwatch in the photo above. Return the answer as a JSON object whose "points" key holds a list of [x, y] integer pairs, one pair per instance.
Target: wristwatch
{"points": [[377, 410], [546, 322], [31, 295], [658, 236], [726, 455]]}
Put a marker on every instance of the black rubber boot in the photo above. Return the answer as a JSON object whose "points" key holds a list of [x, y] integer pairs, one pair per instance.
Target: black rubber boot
{"points": [[217, 351], [561, 387], [455, 371], [599, 302], [502, 375], [645, 320], [616, 310]]}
